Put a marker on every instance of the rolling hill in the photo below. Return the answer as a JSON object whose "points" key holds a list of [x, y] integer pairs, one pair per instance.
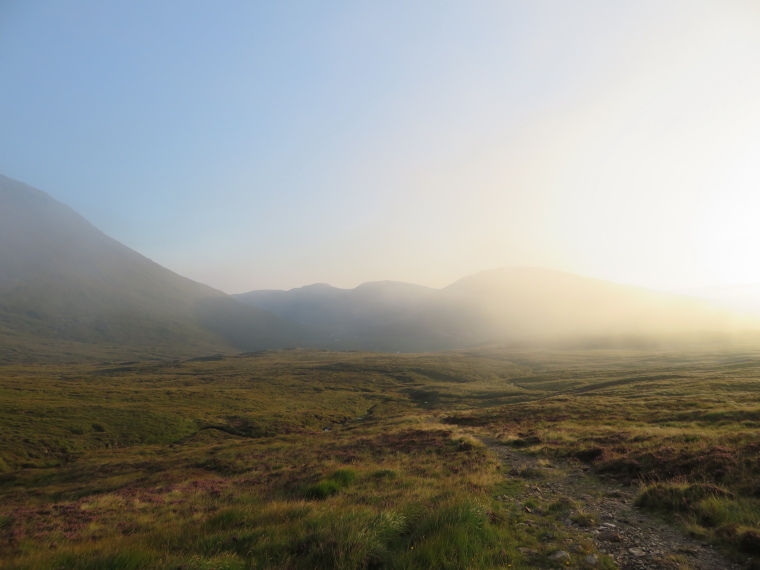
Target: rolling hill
{"points": [[67, 290], [521, 305], [548, 306], [350, 318]]}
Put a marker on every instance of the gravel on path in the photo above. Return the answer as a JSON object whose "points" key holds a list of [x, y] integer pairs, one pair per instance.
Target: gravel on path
{"points": [[630, 536]]}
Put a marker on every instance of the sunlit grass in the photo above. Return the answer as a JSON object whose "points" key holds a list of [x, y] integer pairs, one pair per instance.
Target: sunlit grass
{"points": [[309, 459], [690, 426]]}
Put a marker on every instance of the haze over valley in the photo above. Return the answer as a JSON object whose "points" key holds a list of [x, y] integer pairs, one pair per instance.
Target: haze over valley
{"points": [[67, 289], [423, 285]]}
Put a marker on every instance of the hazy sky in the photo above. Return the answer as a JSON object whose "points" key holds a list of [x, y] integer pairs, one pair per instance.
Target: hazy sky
{"points": [[256, 144]]}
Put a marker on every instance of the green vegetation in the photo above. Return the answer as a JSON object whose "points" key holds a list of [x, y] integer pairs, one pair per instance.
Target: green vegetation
{"points": [[312, 459], [682, 425]]}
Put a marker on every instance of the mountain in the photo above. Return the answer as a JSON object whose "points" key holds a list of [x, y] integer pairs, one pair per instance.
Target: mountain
{"points": [[349, 318], [68, 290], [548, 306], [516, 306]]}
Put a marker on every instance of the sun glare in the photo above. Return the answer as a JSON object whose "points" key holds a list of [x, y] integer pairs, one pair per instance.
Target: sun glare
{"points": [[727, 229]]}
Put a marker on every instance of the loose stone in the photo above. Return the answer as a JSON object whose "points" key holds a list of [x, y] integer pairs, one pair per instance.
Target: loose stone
{"points": [[559, 555]]}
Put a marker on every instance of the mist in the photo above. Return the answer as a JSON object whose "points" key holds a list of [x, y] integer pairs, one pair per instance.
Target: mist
{"points": [[521, 306]]}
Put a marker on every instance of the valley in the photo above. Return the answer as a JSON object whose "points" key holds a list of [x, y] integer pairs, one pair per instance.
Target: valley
{"points": [[477, 458], [517, 418], [379, 285], [70, 293]]}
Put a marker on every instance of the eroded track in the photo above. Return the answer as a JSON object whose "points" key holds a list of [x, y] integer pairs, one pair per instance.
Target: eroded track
{"points": [[634, 539]]}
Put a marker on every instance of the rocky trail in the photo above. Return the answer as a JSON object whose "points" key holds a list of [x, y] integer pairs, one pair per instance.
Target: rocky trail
{"points": [[632, 538]]}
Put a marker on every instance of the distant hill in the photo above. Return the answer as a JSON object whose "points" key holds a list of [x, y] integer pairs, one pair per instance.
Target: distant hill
{"points": [[349, 318], [547, 306], [521, 305], [67, 290]]}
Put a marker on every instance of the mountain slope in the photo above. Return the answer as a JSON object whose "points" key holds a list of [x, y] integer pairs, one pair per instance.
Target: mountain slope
{"points": [[541, 304], [514, 305], [349, 318], [62, 281], [371, 303]]}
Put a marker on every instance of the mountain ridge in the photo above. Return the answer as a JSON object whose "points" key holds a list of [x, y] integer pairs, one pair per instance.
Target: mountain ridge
{"points": [[67, 290], [64, 280], [507, 305]]}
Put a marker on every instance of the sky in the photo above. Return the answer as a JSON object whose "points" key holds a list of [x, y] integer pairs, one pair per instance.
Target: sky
{"points": [[270, 145]]}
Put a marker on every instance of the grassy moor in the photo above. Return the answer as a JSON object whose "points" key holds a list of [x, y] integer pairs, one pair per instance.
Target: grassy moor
{"points": [[379, 285], [481, 458]]}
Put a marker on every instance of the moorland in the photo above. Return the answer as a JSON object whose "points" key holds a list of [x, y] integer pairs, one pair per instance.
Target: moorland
{"points": [[517, 418], [317, 459]]}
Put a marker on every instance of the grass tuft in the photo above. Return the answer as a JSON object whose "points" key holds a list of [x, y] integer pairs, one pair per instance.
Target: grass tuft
{"points": [[124, 559], [385, 474], [343, 477], [322, 490]]}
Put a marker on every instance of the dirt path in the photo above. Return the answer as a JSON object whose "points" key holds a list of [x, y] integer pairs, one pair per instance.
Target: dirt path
{"points": [[635, 540]]}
